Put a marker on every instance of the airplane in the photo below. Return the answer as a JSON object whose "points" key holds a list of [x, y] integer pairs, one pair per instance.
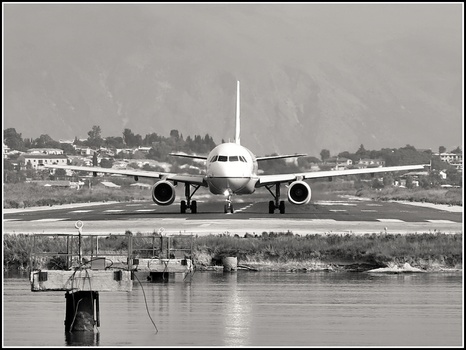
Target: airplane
{"points": [[232, 169]]}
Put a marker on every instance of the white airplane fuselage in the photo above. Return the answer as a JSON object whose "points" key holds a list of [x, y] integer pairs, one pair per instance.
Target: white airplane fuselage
{"points": [[231, 169]]}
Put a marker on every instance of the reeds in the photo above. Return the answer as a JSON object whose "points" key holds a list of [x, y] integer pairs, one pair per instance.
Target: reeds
{"points": [[281, 249]]}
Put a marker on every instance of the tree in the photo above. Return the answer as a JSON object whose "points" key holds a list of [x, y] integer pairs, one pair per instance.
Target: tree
{"points": [[388, 180], [175, 134], [150, 139], [95, 138], [131, 139], [306, 162], [45, 141], [13, 140], [324, 154], [361, 152], [95, 133], [114, 142], [376, 184], [94, 159], [127, 136], [60, 173], [457, 150], [67, 148], [106, 163], [441, 149], [409, 182]]}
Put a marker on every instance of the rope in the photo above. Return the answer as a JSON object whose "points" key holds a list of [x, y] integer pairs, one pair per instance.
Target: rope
{"points": [[145, 300]]}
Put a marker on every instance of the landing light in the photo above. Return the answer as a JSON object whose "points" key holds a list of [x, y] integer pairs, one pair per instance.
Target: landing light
{"points": [[226, 193]]}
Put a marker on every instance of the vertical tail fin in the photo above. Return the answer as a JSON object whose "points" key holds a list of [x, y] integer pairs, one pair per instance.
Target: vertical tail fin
{"points": [[237, 138]]}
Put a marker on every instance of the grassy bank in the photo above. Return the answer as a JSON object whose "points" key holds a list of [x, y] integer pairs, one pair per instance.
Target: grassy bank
{"points": [[33, 195], [284, 251], [452, 196]]}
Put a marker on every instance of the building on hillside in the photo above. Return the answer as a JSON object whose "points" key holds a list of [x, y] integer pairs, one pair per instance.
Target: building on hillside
{"points": [[143, 149], [141, 185], [415, 177], [454, 159], [339, 163], [103, 151], [6, 150], [109, 184], [124, 150], [84, 151], [45, 151], [370, 163], [58, 183], [36, 160]]}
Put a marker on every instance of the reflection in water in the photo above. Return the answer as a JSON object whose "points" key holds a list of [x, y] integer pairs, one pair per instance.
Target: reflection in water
{"points": [[237, 313], [82, 338], [245, 308]]}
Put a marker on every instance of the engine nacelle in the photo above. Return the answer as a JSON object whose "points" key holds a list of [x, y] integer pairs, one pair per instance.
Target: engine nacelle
{"points": [[299, 193], [163, 193]]}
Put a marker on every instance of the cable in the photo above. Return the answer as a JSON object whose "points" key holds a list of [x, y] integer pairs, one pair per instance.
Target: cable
{"points": [[92, 298], [75, 313], [145, 300]]}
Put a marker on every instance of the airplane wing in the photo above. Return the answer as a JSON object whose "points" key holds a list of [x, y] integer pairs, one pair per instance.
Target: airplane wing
{"points": [[271, 179], [192, 179], [280, 157], [192, 156]]}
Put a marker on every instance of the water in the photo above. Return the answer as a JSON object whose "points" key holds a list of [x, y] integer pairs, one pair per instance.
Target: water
{"points": [[246, 308]]}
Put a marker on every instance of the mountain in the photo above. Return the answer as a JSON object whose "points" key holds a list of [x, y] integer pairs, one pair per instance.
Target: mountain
{"points": [[312, 76]]}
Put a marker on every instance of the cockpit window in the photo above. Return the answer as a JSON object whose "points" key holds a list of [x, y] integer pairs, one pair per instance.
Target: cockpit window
{"points": [[218, 158]]}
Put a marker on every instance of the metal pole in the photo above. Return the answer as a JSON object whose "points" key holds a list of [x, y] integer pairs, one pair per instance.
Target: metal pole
{"points": [[79, 225]]}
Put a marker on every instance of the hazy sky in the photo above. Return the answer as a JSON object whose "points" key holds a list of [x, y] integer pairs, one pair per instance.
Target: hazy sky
{"points": [[50, 49]]}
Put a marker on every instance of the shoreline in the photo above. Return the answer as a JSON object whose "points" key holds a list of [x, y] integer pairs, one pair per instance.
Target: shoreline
{"points": [[421, 266]]}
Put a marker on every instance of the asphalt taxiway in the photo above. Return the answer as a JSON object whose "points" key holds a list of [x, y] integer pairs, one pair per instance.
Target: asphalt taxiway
{"points": [[322, 216]]}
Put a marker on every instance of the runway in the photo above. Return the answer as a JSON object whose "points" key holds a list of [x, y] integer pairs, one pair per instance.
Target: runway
{"points": [[324, 215]]}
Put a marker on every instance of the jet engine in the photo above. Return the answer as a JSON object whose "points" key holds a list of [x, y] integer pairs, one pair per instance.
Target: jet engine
{"points": [[163, 193], [299, 193]]}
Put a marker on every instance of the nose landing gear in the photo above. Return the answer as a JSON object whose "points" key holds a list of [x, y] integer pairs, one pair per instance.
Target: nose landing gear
{"points": [[228, 208]]}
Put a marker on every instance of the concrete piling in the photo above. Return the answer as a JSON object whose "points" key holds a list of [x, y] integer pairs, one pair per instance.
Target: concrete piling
{"points": [[81, 311], [230, 263]]}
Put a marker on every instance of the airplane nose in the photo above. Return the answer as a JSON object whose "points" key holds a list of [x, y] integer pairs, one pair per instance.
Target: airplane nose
{"points": [[228, 176], [231, 170]]}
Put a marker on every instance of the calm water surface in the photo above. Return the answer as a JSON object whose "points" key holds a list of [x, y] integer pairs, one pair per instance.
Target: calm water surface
{"points": [[247, 308]]}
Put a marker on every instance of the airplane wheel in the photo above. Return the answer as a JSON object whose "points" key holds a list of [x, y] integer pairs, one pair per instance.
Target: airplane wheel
{"points": [[231, 209], [183, 207], [193, 207], [225, 209], [271, 207], [282, 207]]}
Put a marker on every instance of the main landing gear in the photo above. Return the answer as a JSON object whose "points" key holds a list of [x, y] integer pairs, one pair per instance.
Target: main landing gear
{"points": [[188, 204], [228, 208], [277, 203]]}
